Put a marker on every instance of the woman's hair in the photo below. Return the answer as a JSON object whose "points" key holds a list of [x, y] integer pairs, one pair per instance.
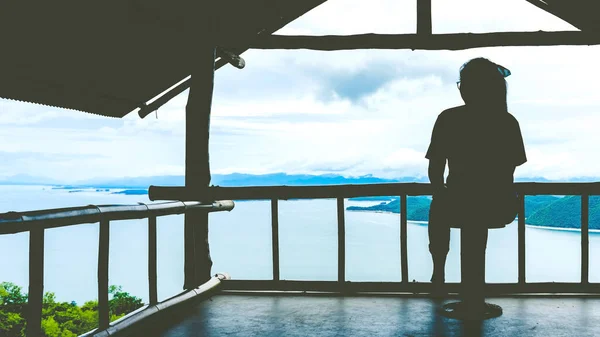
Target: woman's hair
{"points": [[482, 83]]}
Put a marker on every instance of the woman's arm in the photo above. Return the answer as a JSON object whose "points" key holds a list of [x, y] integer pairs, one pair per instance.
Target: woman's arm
{"points": [[436, 174]]}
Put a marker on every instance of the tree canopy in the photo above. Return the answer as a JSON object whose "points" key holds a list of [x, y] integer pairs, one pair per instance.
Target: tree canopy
{"points": [[59, 319]]}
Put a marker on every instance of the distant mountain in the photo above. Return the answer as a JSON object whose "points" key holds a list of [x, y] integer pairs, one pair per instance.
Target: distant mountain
{"points": [[273, 179], [134, 182], [241, 179], [235, 179]]}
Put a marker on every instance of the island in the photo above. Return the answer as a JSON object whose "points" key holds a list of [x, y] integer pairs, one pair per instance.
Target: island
{"points": [[543, 210]]}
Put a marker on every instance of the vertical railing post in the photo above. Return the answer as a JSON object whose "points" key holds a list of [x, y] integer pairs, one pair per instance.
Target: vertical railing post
{"points": [[36, 282], [103, 245], [188, 253], [424, 17], [152, 274], [403, 238], [341, 241], [585, 244], [275, 237], [521, 239]]}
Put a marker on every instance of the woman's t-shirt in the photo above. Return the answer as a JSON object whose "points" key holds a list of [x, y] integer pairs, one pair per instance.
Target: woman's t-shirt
{"points": [[482, 150]]}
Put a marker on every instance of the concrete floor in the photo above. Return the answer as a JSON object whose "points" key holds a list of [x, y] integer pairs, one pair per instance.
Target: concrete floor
{"points": [[301, 315]]}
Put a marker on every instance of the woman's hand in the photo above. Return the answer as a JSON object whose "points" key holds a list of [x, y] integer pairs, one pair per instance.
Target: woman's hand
{"points": [[439, 191]]}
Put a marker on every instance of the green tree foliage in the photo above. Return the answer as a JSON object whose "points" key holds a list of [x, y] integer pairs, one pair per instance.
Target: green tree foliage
{"points": [[417, 208], [566, 213], [12, 304], [543, 210], [122, 303], [64, 319]]}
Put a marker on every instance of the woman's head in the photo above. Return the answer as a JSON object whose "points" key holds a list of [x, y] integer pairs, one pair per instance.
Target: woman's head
{"points": [[482, 83]]}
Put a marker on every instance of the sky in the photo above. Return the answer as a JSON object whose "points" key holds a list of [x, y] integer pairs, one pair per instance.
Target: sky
{"points": [[348, 112]]}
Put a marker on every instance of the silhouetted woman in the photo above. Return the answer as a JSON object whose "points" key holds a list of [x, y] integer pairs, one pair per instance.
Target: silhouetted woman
{"points": [[482, 143]]}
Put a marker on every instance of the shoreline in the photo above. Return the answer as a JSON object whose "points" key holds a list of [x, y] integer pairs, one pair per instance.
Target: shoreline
{"points": [[420, 222]]}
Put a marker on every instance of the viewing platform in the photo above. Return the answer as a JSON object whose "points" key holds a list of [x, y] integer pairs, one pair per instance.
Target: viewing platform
{"points": [[284, 314], [278, 307]]}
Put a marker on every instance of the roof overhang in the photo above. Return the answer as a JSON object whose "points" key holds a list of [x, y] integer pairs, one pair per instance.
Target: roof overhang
{"points": [[110, 58]]}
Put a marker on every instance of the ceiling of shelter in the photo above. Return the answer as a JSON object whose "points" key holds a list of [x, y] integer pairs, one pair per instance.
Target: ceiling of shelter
{"points": [[112, 59]]}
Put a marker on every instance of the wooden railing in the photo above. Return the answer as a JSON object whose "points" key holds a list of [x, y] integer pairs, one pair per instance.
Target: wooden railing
{"points": [[402, 190], [36, 222]]}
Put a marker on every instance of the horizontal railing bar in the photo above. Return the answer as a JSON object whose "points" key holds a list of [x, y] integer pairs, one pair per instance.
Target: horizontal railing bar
{"points": [[148, 316], [411, 287], [347, 191], [16, 222]]}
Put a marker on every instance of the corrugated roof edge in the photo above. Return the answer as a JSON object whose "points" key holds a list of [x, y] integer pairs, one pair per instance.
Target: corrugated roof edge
{"points": [[66, 108]]}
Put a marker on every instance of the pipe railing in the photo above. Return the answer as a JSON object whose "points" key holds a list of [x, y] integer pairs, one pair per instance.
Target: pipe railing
{"points": [[36, 222], [403, 190]]}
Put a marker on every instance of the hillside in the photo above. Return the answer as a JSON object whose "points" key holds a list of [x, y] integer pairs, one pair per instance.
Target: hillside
{"points": [[418, 208], [566, 213]]}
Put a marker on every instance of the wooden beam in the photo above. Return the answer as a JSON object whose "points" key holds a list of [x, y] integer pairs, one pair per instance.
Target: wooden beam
{"points": [[197, 168], [307, 5], [427, 42], [231, 58], [424, 17], [491, 289]]}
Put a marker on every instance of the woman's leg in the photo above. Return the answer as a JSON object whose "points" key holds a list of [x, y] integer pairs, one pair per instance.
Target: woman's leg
{"points": [[439, 241], [473, 246]]}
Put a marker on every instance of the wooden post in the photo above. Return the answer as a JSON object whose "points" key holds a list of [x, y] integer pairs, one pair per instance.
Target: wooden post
{"points": [[403, 238], [341, 241], [521, 238], [585, 239], [197, 169], [36, 282], [103, 246], [275, 237], [424, 17], [152, 275]]}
